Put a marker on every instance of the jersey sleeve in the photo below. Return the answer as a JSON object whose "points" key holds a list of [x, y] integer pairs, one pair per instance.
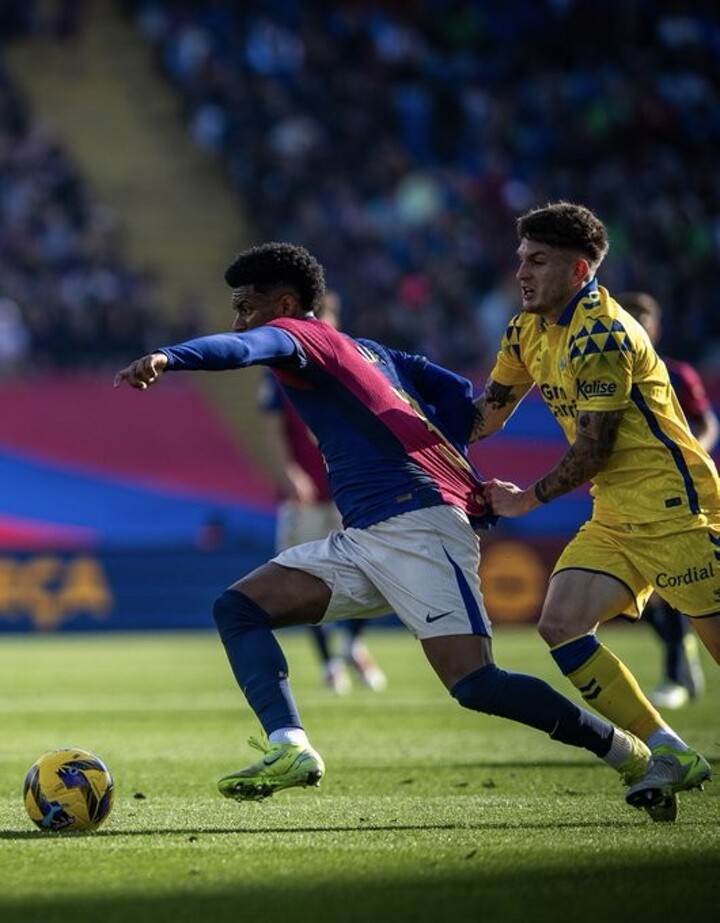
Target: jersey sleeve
{"points": [[221, 351], [446, 396], [600, 356], [510, 368], [450, 394]]}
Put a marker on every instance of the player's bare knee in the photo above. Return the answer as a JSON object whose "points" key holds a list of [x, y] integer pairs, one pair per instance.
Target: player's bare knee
{"points": [[552, 630]]}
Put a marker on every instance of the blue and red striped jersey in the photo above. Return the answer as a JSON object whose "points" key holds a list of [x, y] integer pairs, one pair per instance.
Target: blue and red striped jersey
{"points": [[392, 426]]}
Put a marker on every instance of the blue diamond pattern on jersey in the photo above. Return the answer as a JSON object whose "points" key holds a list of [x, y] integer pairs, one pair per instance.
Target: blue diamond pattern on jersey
{"points": [[604, 335], [512, 337]]}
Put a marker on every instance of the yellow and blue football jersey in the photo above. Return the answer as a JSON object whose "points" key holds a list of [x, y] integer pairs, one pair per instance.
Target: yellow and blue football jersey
{"points": [[597, 357]]}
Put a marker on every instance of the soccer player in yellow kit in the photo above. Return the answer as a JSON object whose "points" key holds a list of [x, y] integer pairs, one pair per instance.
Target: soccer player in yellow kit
{"points": [[655, 523]]}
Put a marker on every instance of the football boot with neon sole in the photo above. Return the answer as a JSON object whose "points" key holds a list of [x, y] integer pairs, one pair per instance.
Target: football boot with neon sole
{"points": [[670, 771], [282, 766], [634, 769]]}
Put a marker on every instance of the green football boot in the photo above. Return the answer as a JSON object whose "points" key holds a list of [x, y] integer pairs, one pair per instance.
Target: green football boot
{"points": [[670, 771], [633, 771], [282, 766]]}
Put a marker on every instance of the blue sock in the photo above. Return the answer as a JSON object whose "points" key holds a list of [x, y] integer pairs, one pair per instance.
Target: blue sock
{"points": [[532, 701], [571, 655], [257, 660]]}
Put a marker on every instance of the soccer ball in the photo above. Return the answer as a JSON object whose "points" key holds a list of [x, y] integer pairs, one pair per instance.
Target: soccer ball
{"points": [[69, 789]]}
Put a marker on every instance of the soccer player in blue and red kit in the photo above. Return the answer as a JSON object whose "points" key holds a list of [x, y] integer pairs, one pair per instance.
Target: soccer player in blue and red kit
{"points": [[306, 512], [392, 428]]}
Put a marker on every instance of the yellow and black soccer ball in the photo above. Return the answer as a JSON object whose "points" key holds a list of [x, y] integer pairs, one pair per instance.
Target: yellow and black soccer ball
{"points": [[68, 790]]}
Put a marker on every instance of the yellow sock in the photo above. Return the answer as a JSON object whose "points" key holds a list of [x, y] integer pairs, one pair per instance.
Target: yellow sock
{"points": [[609, 687]]}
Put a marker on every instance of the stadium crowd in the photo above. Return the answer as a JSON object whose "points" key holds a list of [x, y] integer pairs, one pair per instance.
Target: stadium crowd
{"points": [[69, 297], [399, 141]]}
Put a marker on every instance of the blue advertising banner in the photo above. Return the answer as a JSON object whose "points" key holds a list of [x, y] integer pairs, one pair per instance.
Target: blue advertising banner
{"points": [[65, 591]]}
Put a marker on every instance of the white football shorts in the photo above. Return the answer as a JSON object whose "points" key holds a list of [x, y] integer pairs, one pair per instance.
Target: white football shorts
{"points": [[421, 565]]}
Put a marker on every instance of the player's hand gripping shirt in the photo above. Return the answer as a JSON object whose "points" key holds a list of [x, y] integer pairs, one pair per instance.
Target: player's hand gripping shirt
{"points": [[392, 427], [598, 358]]}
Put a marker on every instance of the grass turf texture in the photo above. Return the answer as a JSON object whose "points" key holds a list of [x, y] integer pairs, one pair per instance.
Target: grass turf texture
{"points": [[427, 812]]}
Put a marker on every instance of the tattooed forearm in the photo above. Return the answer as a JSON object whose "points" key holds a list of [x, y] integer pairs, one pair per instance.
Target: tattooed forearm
{"points": [[491, 409], [478, 425], [576, 467], [497, 395], [594, 441]]}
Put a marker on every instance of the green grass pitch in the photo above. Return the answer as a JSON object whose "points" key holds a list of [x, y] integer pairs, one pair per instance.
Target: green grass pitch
{"points": [[427, 813]]}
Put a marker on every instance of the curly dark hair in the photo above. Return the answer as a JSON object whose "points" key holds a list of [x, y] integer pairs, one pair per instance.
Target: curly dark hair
{"points": [[270, 265], [568, 226]]}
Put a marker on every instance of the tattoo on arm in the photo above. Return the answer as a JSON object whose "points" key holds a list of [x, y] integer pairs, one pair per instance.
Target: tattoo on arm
{"points": [[495, 397], [594, 440], [478, 424]]}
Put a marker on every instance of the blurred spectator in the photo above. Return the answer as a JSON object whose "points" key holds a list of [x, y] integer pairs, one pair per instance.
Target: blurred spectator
{"points": [[399, 141], [14, 338], [68, 296]]}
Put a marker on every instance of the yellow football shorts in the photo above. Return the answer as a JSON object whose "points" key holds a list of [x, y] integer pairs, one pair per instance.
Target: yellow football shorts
{"points": [[679, 559]]}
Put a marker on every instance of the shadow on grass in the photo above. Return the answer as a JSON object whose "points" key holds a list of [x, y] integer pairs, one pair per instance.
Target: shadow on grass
{"points": [[591, 891], [604, 824], [508, 765]]}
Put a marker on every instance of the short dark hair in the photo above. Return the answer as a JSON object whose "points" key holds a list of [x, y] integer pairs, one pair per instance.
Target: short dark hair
{"points": [[567, 226], [270, 265]]}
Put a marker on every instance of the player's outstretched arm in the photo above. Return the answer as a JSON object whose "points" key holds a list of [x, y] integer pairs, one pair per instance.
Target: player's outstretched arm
{"points": [[142, 372]]}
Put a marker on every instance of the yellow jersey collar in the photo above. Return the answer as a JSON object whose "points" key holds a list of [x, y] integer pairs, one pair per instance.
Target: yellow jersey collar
{"points": [[591, 290]]}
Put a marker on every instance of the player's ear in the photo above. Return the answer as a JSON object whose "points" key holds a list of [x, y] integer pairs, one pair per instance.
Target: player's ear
{"points": [[289, 304], [581, 271]]}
